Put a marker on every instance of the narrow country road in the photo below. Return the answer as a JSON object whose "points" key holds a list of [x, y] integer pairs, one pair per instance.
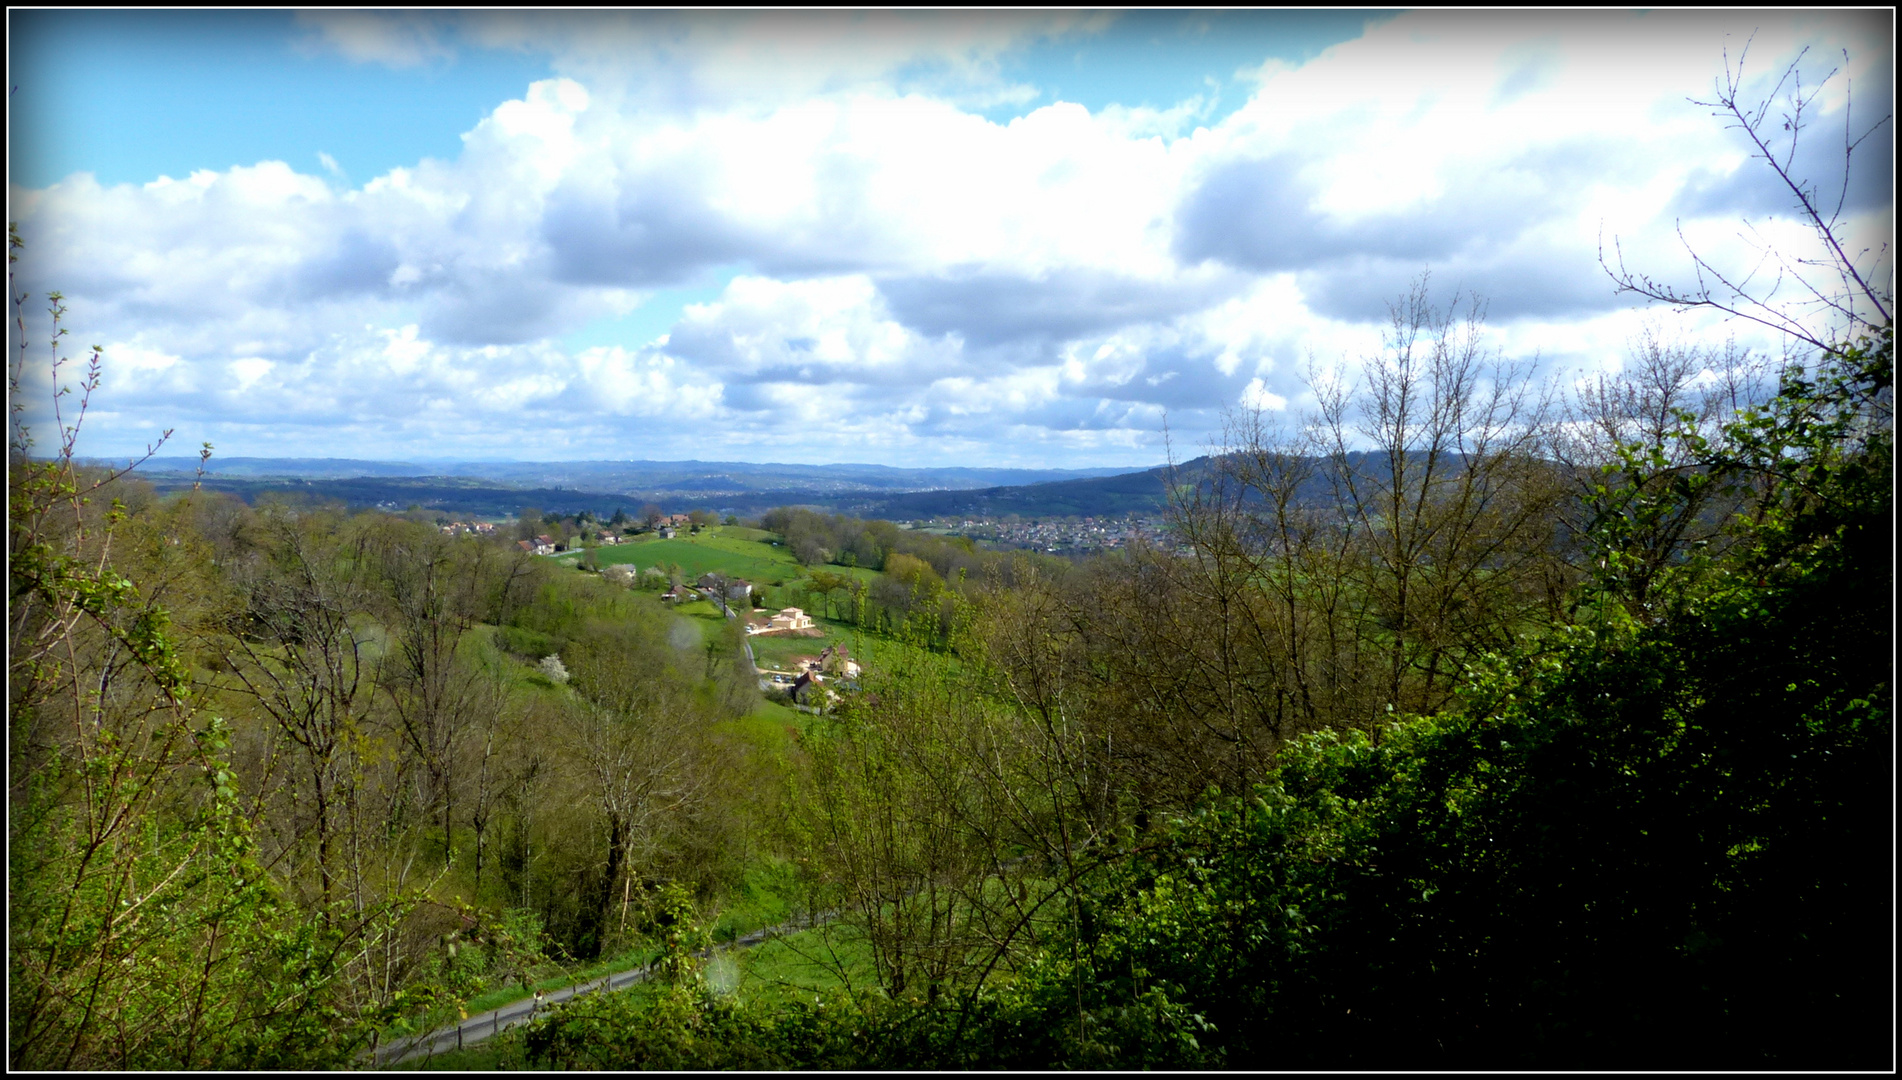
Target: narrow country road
{"points": [[483, 1025]]}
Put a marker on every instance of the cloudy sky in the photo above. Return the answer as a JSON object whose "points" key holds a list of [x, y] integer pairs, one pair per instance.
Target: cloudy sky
{"points": [[970, 238]]}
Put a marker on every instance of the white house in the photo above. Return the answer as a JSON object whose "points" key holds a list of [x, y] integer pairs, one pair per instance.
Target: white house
{"points": [[788, 619]]}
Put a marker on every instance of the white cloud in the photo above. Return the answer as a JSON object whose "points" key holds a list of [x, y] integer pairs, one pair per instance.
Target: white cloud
{"points": [[912, 274], [1256, 395]]}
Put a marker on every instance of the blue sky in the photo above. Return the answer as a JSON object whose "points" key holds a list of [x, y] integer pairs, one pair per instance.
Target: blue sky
{"points": [[1010, 239], [129, 96]]}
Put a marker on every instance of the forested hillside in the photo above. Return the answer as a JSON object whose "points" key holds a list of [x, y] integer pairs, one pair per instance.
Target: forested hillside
{"points": [[1480, 726]]}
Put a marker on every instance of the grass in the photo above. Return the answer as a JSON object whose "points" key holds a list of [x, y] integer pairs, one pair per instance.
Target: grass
{"points": [[765, 898], [702, 616], [767, 727], [489, 1055], [730, 550], [700, 609], [798, 965]]}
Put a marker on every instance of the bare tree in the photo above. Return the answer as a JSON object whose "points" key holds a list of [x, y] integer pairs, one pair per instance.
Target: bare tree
{"points": [[1448, 502], [1851, 288], [433, 586], [296, 655], [640, 749]]}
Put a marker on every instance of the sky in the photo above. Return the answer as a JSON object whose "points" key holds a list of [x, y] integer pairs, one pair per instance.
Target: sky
{"points": [[971, 238]]}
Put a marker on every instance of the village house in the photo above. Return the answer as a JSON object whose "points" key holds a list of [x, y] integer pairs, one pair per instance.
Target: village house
{"points": [[835, 660], [788, 619], [810, 690]]}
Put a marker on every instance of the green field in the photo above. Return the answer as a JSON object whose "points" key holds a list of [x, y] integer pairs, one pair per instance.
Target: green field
{"points": [[770, 726], [749, 553], [731, 550]]}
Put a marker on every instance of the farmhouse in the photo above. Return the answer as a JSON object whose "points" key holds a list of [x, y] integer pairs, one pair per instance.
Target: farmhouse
{"points": [[788, 619], [835, 660]]}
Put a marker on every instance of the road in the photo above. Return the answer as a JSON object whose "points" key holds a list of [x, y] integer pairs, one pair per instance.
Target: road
{"points": [[516, 1013]]}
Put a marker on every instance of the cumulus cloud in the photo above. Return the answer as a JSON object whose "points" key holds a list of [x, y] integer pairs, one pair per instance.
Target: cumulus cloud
{"points": [[905, 273]]}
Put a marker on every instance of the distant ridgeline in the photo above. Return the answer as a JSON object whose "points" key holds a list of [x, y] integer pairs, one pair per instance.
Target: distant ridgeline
{"points": [[504, 488], [871, 491]]}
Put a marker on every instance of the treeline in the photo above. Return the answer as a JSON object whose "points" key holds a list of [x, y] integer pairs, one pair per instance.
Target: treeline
{"points": [[924, 582], [531, 522], [815, 538]]}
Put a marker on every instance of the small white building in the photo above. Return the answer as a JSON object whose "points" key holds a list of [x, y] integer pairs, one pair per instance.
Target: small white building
{"points": [[788, 619]]}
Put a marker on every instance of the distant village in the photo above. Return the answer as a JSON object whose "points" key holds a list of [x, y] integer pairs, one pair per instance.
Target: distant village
{"points": [[1057, 536]]}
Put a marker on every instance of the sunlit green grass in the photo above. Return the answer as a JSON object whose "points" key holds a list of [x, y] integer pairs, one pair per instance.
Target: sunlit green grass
{"points": [[735, 552], [770, 726], [799, 965], [776, 651]]}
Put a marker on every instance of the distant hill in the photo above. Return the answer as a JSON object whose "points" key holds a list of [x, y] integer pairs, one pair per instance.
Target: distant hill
{"points": [[679, 477], [450, 495], [476, 498], [1134, 492], [742, 489], [601, 487], [1105, 496], [1144, 492]]}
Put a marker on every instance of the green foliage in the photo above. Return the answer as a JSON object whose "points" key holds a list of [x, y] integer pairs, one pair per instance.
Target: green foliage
{"points": [[1634, 846], [526, 643], [142, 931], [1660, 840]]}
